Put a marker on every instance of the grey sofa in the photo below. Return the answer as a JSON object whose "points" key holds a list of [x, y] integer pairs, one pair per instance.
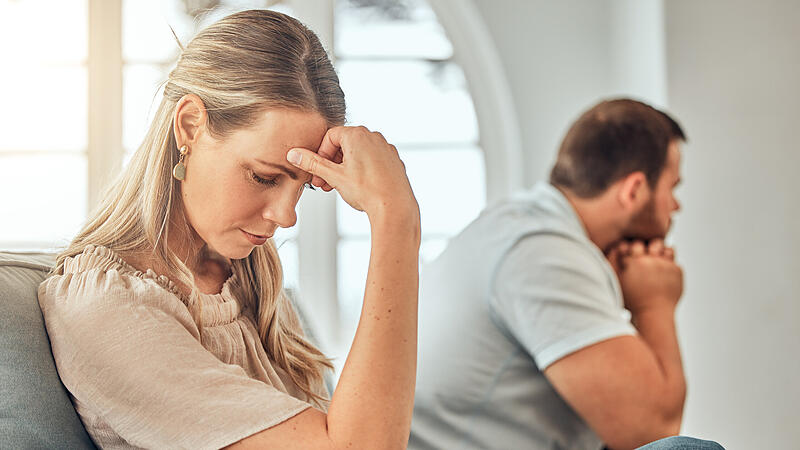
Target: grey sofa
{"points": [[35, 410]]}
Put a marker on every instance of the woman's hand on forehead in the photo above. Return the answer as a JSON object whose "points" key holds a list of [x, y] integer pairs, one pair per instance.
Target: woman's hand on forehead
{"points": [[331, 152], [364, 168]]}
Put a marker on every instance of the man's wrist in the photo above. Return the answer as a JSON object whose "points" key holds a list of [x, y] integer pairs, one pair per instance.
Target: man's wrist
{"points": [[660, 313]]}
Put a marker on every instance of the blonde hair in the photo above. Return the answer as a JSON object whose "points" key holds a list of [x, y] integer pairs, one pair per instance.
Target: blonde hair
{"points": [[239, 66]]}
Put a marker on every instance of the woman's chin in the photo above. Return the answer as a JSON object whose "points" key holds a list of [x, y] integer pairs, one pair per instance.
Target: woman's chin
{"points": [[235, 252]]}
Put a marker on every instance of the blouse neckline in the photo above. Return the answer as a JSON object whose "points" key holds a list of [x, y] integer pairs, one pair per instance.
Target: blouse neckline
{"points": [[94, 254]]}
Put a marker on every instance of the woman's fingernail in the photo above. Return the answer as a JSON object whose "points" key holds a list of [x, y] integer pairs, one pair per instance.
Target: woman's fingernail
{"points": [[294, 157]]}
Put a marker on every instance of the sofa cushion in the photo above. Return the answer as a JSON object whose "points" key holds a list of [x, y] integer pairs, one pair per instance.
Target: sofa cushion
{"points": [[35, 411]]}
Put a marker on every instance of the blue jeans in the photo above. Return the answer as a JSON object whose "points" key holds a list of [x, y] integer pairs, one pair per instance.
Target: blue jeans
{"points": [[682, 443]]}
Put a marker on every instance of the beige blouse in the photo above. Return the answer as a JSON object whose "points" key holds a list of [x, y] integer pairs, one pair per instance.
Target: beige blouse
{"points": [[139, 374]]}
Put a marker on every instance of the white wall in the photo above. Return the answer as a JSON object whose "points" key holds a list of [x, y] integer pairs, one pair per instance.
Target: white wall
{"points": [[560, 57], [730, 73], [637, 50], [734, 81], [555, 55]]}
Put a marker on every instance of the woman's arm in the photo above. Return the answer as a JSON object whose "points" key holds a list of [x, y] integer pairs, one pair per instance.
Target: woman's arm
{"points": [[373, 401]]}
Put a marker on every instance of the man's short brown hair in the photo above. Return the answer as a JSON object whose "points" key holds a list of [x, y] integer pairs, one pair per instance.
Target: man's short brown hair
{"points": [[610, 141]]}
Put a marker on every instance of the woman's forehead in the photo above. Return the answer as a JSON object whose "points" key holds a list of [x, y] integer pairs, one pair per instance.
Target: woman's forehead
{"points": [[276, 131]]}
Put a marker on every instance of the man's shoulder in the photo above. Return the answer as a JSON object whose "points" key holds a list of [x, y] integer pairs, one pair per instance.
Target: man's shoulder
{"points": [[531, 220], [542, 208], [544, 251]]}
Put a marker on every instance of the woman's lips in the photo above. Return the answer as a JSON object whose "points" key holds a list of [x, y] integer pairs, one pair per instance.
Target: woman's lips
{"points": [[254, 238]]}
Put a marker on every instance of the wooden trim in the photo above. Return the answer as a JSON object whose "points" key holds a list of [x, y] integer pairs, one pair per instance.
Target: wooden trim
{"points": [[105, 95]]}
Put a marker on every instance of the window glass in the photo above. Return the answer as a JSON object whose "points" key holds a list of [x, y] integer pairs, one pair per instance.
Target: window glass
{"points": [[44, 117], [44, 31], [389, 29], [43, 198], [449, 184], [409, 101]]}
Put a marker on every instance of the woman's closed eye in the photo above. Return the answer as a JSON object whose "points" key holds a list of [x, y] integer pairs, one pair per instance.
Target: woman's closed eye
{"points": [[273, 181], [269, 181]]}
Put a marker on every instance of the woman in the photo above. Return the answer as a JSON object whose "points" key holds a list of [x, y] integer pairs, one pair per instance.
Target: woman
{"points": [[166, 314]]}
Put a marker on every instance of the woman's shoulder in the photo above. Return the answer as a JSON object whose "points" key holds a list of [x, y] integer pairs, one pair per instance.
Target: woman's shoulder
{"points": [[100, 275], [96, 267], [95, 257]]}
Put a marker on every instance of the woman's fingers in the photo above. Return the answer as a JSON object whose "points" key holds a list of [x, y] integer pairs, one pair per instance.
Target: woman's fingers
{"points": [[330, 149], [364, 168], [314, 164], [317, 181], [332, 142]]}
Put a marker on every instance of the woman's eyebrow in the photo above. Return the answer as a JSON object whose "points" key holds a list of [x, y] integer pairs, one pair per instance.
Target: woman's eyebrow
{"points": [[292, 174]]}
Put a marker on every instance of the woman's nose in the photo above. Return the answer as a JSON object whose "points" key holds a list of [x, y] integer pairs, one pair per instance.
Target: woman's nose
{"points": [[281, 212], [284, 217]]}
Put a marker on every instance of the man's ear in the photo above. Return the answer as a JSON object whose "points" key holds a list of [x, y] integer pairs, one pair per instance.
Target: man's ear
{"points": [[634, 191], [189, 120]]}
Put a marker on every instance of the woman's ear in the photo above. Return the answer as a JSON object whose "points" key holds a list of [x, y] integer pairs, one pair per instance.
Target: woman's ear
{"points": [[190, 119], [634, 191]]}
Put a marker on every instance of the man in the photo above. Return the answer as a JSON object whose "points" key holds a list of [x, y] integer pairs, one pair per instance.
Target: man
{"points": [[549, 321]]}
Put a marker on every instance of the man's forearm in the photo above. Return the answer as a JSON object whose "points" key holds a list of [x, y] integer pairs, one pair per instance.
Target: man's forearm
{"points": [[657, 328]]}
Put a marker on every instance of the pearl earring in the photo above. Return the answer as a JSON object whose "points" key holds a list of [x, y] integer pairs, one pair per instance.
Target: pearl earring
{"points": [[179, 171]]}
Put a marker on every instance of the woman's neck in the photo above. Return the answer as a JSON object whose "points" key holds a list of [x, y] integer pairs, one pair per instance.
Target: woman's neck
{"points": [[209, 268]]}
